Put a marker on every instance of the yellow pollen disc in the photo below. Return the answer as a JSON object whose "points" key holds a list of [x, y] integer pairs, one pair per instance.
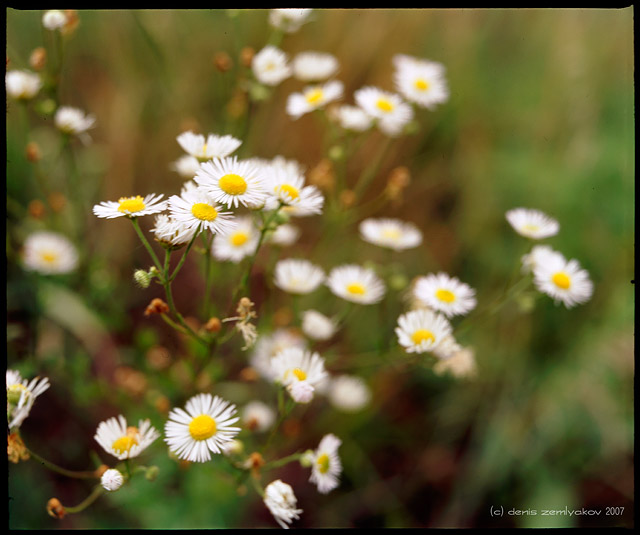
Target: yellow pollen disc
{"points": [[445, 295], [233, 184], [421, 84], [530, 227], [561, 280], [49, 258], [314, 96], [239, 238], [131, 204], [384, 105], [289, 190], [391, 233], [202, 427], [323, 463], [204, 211], [356, 288], [422, 335], [123, 444], [300, 375], [15, 391]]}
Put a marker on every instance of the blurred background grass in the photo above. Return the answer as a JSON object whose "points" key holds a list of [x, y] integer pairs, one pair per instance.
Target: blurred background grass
{"points": [[540, 115]]}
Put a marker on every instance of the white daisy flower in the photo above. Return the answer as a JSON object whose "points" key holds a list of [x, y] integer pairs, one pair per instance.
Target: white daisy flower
{"points": [[300, 371], [122, 441], [131, 206], [445, 294], [422, 330], [348, 393], [285, 186], [21, 395], [562, 280], [73, 121], [22, 85], [298, 276], [352, 118], [313, 97], [420, 81], [391, 233], [326, 466], [447, 348], [357, 284], [532, 223], [388, 109], [317, 326], [288, 20], [186, 166], [536, 257], [269, 345], [314, 66], [232, 182], [205, 149], [270, 66], [171, 232], [54, 19], [284, 236], [238, 243], [112, 480], [195, 207], [461, 364], [49, 253], [202, 429], [281, 502], [258, 416]]}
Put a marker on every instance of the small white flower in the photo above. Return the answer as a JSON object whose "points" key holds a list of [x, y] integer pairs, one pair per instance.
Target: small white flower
{"points": [[237, 243], [352, 118], [447, 348], [195, 208], [562, 280], [205, 149], [232, 182], [317, 326], [49, 253], [348, 393], [54, 19], [391, 113], [298, 276], [73, 121], [131, 206], [270, 66], [461, 364], [171, 232], [422, 330], [357, 284], [392, 233], [314, 66], [445, 294], [536, 257], [420, 81], [186, 166], [21, 395], [258, 416], [204, 428], [326, 467], [111, 480], [313, 97], [269, 345], [300, 371], [532, 223], [285, 186], [122, 441], [22, 85], [284, 236], [288, 19], [281, 502]]}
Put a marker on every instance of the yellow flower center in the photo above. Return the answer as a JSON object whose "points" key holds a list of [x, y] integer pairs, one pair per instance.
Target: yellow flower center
{"points": [[356, 288], [14, 393], [561, 280], [131, 204], [445, 295], [203, 157], [123, 444], [530, 227], [49, 257], [385, 105], [314, 96], [204, 211], [300, 374], [202, 427], [391, 233], [323, 463], [422, 335], [239, 238], [233, 184], [421, 84], [289, 190]]}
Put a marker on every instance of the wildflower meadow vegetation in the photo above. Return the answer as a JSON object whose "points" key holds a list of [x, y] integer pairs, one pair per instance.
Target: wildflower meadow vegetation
{"points": [[316, 268]]}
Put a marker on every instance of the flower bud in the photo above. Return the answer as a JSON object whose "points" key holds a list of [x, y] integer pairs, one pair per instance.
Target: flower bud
{"points": [[36, 209], [246, 56], [55, 508], [152, 473], [57, 201], [112, 480], [16, 450], [38, 58], [142, 278], [347, 198], [213, 325], [307, 459], [157, 306], [33, 152], [222, 61]]}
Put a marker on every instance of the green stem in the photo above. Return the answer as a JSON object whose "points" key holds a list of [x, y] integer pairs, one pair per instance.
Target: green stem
{"points": [[146, 244], [370, 172], [60, 470], [281, 462], [95, 494], [184, 256]]}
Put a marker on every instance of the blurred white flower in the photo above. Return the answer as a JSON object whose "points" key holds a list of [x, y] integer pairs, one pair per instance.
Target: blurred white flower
{"points": [[352, 118], [281, 502], [186, 166], [348, 393], [172, 232], [536, 257], [390, 112], [269, 345], [122, 441], [49, 253], [356, 284], [445, 294], [285, 187], [21, 395], [391, 233], [317, 326], [22, 84], [288, 20], [422, 330], [300, 371], [54, 19], [461, 364], [314, 66], [298, 276], [258, 416], [420, 81], [313, 97], [131, 206], [73, 121], [285, 235], [532, 223], [204, 149], [326, 466], [237, 243], [270, 66], [563, 280]]}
